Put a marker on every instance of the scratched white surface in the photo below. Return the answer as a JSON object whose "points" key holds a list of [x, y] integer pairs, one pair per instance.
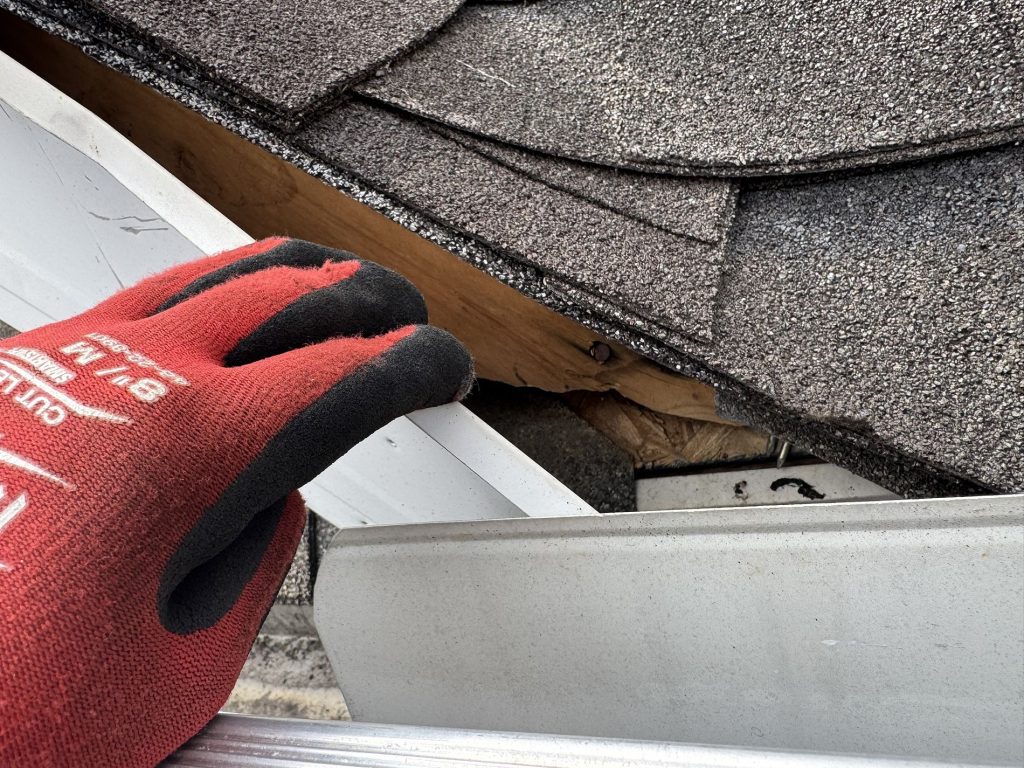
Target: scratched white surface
{"points": [[72, 234]]}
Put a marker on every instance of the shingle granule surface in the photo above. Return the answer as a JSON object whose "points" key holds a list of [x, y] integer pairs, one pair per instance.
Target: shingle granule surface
{"points": [[687, 206], [667, 277], [876, 318], [286, 55], [724, 86], [891, 304]]}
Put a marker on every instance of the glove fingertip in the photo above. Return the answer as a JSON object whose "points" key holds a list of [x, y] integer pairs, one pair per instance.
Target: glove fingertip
{"points": [[439, 364]]}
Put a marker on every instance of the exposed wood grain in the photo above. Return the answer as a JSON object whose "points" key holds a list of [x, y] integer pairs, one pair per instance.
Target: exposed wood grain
{"points": [[514, 339], [658, 440]]}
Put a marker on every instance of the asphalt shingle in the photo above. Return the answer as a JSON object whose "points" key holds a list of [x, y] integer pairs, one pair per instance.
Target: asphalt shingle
{"points": [[726, 86], [287, 56], [891, 303], [887, 306], [666, 277], [691, 207]]}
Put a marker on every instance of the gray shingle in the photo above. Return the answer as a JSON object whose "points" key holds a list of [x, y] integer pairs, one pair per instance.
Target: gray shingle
{"points": [[668, 278], [878, 317], [288, 56], [892, 301], [729, 86], [691, 207], [888, 305]]}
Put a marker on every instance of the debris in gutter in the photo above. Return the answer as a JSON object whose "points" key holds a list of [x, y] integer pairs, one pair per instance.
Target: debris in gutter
{"points": [[543, 427], [804, 488]]}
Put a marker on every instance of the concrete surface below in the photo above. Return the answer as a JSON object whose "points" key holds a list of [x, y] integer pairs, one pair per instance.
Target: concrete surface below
{"points": [[287, 673], [288, 676]]}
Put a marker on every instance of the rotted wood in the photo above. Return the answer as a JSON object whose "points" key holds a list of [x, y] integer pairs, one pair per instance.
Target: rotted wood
{"points": [[659, 440]]}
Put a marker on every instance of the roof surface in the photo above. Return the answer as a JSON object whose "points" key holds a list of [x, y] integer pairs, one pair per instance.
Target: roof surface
{"points": [[695, 207], [891, 304], [288, 56], [874, 316], [724, 86], [616, 256]]}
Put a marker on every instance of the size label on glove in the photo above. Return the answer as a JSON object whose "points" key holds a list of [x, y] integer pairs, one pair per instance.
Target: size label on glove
{"points": [[144, 390], [132, 357], [119, 364], [35, 380]]}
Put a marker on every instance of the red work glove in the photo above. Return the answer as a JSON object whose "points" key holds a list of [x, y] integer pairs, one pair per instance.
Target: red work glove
{"points": [[149, 457]]}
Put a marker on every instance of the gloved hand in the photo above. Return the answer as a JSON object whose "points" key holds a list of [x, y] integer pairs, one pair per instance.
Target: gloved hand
{"points": [[149, 457]]}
